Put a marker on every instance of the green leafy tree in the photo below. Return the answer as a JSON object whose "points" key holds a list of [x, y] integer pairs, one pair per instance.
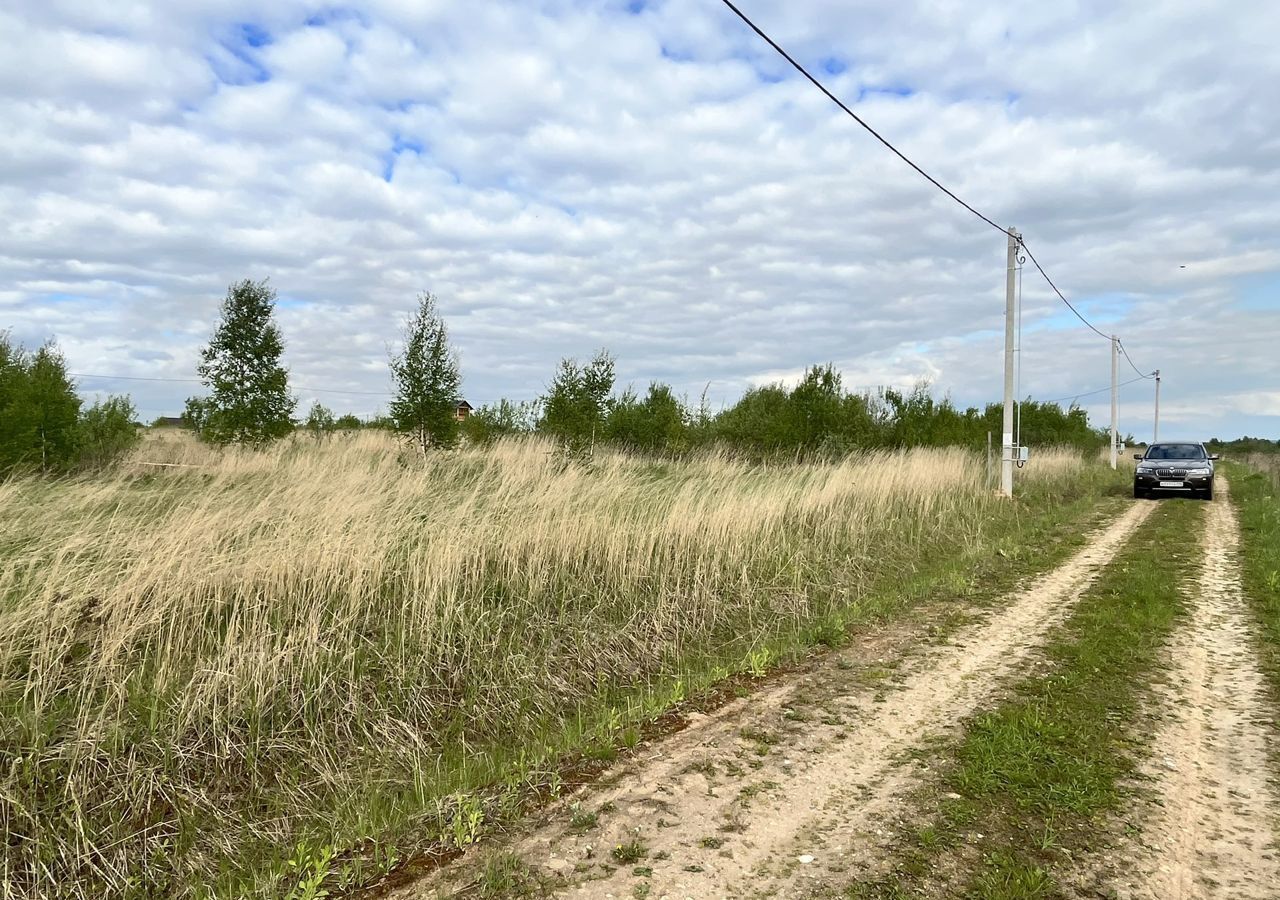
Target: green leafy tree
{"points": [[195, 414], [347, 422], [108, 432], [578, 401], [17, 415], [1043, 425], [56, 407], [427, 380], [502, 419], [829, 420], [657, 424], [320, 421], [249, 400], [39, 409], [762, 422]]}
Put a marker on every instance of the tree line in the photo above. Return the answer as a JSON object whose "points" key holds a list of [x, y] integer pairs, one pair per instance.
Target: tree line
{"points": [[248, 401], [817, 418], [44, 425]]}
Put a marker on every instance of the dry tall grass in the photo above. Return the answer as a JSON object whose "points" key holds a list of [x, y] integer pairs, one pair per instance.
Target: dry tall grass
{"points": [[1267, 464], [206, 663]]}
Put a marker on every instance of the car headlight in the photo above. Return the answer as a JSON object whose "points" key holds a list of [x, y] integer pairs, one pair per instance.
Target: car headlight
{"points": [[1146, 470], [1200, 471]]}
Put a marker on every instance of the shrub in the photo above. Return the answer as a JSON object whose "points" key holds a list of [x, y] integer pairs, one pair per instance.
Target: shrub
{"points": [[107, 432]]}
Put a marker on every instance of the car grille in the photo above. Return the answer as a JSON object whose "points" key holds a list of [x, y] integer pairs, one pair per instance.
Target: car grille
{"points": [[1171, 473]]}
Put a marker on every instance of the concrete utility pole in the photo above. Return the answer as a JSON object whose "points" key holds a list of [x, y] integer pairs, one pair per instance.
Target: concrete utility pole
{"points": [[1115, 399], [1006, 437], [1155, 435]]}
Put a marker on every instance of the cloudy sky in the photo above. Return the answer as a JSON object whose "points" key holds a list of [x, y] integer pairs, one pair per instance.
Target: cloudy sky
{"points": [[647, 176]]}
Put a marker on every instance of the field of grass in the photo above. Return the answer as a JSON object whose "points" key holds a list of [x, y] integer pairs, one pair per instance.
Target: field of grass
{"points": [[268, 674]]}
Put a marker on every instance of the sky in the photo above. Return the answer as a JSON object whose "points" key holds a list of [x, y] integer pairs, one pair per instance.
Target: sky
{"points": [[650, 178]]}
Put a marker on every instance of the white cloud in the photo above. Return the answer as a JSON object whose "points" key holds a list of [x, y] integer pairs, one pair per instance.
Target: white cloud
{"points": [[1258, 403], [566, 175]]}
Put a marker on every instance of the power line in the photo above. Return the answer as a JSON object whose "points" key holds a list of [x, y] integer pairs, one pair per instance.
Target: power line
{"points": [[902, 156], [853, 115], [1129, 360], [1092, 393], [297, 387], [1061, 296]]}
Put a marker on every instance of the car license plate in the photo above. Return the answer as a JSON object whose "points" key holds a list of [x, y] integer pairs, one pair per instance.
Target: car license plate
{"points": [[1171, 484]]}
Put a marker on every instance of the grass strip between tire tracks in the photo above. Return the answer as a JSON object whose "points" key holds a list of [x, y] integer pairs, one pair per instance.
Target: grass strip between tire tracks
{"points": [[1256, 498], [1024, 789]]}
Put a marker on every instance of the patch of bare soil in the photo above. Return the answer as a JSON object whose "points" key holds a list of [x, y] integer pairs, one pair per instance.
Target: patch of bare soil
{"points": [[1214, 830], [790, 792]]}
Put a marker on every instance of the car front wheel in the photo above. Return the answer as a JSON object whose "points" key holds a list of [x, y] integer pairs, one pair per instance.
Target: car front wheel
{"points": [[1207, 493], [1139, 493]]}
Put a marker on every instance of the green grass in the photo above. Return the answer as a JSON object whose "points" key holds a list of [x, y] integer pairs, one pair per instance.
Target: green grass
{"points": [[1036, 773], [583, 820], [1256, 496], [1257, 500], [630, 851], [506, 875]]}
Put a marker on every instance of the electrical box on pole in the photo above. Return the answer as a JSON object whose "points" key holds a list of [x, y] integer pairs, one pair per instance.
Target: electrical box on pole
{"points": [[1006, 435]]}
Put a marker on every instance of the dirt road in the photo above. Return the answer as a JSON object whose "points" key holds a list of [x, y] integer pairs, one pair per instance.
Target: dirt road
{"points": [[1215, 829], [788, 791]]}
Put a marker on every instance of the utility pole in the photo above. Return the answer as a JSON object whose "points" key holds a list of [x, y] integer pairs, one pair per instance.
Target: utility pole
{"points": [[1006, 437], [1115, 399], [1155, 435]]}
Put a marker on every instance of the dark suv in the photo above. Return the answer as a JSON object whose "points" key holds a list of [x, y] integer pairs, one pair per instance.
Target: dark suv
{"points": [[1174, 469]]}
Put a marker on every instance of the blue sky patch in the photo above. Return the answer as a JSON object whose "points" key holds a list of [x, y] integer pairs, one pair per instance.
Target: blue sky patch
{"points": [[404, 105], [1064, 319], [336, 14], [676, 55], [253, 35], [1260, 291], [399, 144], [891, 90], [770, 77], [242, 43]]}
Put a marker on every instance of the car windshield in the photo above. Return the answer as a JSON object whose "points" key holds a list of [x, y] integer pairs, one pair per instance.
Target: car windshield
{"points": [[1175, 451]]}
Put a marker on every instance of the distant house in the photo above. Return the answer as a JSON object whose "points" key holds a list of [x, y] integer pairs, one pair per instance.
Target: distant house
{"points": [[463, 410], [168, 422]]}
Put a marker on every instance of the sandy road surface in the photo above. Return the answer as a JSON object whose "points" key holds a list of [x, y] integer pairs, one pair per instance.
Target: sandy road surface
{"points": [[1214, 834], [785, 792]]}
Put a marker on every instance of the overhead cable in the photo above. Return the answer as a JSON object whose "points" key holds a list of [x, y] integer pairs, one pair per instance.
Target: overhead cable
{"points": [[1132, 364], [1091, 393], [902, 156], [853, 115]]}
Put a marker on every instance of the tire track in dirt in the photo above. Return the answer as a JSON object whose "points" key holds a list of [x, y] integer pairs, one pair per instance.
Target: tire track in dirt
{"points": [[789, 790], [1214, 833]]}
